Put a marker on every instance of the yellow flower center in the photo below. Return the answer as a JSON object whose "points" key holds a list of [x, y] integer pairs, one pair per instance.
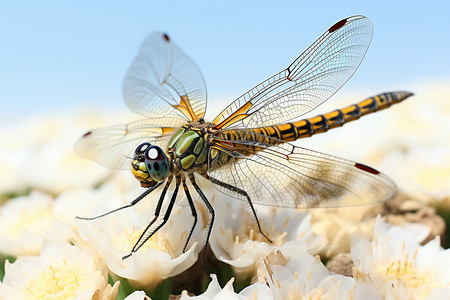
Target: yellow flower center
{"points": [[57, 282], [434, 178], [129, 238], [249, 231], [418, 283], [31, 221]]}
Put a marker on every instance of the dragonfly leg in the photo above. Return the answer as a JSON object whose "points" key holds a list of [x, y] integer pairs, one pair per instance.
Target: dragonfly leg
{"points": [[193, 210], [134, 202], [143, 239], [242, 193], [211, 212]]}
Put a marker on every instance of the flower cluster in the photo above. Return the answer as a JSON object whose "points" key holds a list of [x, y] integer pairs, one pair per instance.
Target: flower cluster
{"points": [[61, 271], [391, 265], [49, 253]]}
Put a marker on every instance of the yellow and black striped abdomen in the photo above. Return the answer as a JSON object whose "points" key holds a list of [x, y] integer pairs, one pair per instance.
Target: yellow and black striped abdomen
{"points": [[322, 123]]}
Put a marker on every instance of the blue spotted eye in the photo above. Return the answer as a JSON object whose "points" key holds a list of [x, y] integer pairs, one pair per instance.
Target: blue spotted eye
{"points": [[140, 150], [157, 163]]}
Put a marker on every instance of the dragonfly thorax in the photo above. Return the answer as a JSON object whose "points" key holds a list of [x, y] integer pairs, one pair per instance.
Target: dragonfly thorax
{"points": [[150, 164], [188, 146]]}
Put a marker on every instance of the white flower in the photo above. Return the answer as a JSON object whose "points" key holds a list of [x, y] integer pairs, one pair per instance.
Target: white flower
{"points": [[117, 191], [62, 271], [162, 256], [423, 172], [137, 295], [398, 267], [337, 225], [215, 292], [25, 222], [417, 146], [236, 239], [304, 277], [38, 153], [300, 278]]}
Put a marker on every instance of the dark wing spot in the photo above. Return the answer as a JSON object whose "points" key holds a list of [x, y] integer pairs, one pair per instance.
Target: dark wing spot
{"points": [[337, 26], [156, 165], [366, 168], [166, 37], [87, 133]]}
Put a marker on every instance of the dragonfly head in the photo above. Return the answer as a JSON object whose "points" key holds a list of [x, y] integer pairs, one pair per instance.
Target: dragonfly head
{"points": [[150, 164]]}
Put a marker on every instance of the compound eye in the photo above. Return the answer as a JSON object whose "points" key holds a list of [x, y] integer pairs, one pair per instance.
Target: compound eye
{"points": [[140, 150], [157, 163]]}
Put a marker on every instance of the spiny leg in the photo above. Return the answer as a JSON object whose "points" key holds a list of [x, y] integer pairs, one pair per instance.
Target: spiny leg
{"points": [[134, 202], [211, 211], [140, 243], [193, 210], [243, 193]]}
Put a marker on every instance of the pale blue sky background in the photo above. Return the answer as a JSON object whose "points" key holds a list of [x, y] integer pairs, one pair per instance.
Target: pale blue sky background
{"points": [[56, 55]]}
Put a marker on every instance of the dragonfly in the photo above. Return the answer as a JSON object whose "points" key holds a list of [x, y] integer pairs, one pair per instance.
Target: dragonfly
{"points": [[246, 151]]}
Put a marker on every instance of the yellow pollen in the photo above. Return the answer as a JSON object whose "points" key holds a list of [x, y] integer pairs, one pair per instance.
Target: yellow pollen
{"points": [[388, 268], [415, 253], [128, 239], [405, 272], [35, 222], [57, 282], [251, 235], [301, 235], [335, 287], [249, 231]]}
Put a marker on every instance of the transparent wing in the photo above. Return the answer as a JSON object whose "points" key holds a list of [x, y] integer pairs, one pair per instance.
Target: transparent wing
{"points": [[288, 176], [318, 73], [163, 81], [113, 146]]}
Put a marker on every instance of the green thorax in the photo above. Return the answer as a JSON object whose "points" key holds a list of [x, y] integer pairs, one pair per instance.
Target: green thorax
{"points": [[188, 147]]}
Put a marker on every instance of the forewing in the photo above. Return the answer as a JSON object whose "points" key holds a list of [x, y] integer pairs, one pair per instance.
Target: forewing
{"points": [[318, 73], [284, 175], [114, 146], [164, 82]]}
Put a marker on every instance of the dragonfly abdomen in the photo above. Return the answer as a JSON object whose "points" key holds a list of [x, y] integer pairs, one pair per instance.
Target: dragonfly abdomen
{"points": [[322, 123]]}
